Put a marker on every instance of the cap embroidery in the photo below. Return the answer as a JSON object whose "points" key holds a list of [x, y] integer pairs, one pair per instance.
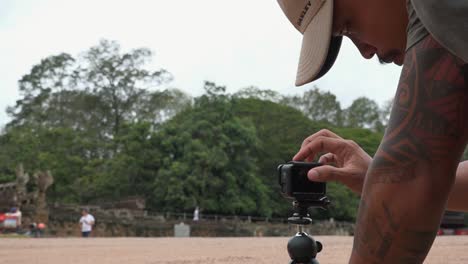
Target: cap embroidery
{"points": [[303, 14]]}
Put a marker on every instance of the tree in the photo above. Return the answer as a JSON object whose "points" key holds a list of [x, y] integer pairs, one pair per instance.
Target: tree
{"points": [[119, 80], [105, 131], [159, 106], [130, 171], [317, 106], [208, 160], [76, 117], [363, 113], [49, 76], [63, 151], [104, 88], [257, 93]]}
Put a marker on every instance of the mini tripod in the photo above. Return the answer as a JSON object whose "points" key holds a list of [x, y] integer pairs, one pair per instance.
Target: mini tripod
{"points": [[302, 248]]}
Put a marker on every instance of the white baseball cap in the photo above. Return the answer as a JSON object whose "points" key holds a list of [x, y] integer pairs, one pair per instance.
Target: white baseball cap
{"points": [[314, 19]]}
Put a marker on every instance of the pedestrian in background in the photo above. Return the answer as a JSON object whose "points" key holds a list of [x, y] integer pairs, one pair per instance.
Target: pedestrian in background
{"points": [[86, 223], [196, 214]]}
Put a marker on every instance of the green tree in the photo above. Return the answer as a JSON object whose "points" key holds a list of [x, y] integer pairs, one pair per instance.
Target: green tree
{"points": [[131, 170], [119, 80], [61, 150], [317, 106], [363, 113], [208, 159], [49, 76], [93, 105], [257, 93], [104, 88]]}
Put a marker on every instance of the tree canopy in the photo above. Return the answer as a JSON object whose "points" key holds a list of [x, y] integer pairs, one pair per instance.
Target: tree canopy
{"points": [[104, 127]]}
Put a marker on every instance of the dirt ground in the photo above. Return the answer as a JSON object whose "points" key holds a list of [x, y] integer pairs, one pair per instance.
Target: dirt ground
{"points": [[448, 249]]}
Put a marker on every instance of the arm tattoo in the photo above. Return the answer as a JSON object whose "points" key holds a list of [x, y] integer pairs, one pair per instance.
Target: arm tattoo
{"points": [[428, 126], [427, 120]]}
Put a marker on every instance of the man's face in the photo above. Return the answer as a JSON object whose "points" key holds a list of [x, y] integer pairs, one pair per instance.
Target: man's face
{"points": [[376, 27], [84, 213]]}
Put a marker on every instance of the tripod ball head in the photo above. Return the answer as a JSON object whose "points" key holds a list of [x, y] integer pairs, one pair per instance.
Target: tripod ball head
{"points": [[303, 249]]}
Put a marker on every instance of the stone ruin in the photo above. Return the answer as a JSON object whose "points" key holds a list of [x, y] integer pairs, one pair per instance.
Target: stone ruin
{"points": [[33, 203]]}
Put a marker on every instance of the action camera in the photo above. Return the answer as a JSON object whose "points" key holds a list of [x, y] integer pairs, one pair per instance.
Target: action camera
{"points": [[296, 185]]}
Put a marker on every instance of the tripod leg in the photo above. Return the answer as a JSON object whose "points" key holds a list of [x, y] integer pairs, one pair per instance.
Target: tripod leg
{"points": [[312, 261]]}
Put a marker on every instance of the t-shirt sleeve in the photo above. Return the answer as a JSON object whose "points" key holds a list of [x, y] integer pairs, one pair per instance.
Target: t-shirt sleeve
{"points": [[415, 31], [447, 22]]}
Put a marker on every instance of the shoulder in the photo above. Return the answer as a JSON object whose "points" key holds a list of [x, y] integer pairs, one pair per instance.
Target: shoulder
{"points": [[433, 12], [446, 22]]}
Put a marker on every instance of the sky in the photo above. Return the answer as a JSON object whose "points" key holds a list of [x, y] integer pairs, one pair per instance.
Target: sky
{"points": [[236, 43]]}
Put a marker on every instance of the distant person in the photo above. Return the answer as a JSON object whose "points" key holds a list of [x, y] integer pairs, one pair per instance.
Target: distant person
{"points": [[16, 213], [86, 222], [36, 229], [33, 232], [196, 214], [41, 229]]}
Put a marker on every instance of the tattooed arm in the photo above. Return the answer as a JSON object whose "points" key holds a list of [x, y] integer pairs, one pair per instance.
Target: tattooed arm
{"points": [[408, 183]]}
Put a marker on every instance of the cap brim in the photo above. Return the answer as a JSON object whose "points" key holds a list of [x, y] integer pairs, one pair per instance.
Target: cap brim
{"points": [[319, 48]]}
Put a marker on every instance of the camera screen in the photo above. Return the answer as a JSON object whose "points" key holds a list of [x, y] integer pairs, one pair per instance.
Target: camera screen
{"points": [[301, 184]]}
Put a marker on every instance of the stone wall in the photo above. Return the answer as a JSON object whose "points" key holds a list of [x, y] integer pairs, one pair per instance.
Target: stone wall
{"points": [[63, 221]]}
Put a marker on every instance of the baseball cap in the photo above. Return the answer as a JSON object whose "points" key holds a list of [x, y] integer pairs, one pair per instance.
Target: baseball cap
{"points": [[314, 19]]}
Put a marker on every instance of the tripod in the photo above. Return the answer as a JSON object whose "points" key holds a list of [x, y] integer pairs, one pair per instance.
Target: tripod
{"points": [[302, 248]]}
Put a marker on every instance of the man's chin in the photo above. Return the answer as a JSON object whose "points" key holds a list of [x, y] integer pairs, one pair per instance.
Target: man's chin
{"points": [[400, 59], [395, 58]]}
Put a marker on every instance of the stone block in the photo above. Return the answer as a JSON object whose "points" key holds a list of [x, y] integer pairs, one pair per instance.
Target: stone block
{"points": [[181, 230]]}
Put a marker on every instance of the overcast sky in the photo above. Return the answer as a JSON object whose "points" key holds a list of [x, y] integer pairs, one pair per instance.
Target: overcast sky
{"points": [[237, 43]]}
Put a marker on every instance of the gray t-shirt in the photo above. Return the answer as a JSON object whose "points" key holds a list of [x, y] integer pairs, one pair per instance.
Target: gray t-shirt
{"points": [[446, 20]]}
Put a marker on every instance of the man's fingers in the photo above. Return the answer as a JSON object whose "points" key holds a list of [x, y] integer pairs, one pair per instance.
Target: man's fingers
{"points": [[321, 133], [320, 144], [324, 173], [327, 158]]}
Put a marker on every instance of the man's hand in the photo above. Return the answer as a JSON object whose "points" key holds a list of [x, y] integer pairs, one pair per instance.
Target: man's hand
{"points": [[344, 160]]}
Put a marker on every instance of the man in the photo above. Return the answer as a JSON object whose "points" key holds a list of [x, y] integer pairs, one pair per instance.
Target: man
{"points": [[86, 222], [413, 176]]}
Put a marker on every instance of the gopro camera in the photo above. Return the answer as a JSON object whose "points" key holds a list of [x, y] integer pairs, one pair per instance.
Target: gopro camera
{"points": [[296, 185]]}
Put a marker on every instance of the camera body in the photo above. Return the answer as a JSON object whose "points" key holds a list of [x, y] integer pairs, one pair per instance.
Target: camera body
{"points": [[296, 185]]}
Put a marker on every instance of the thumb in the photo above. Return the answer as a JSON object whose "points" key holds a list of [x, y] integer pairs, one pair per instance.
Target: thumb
{"points": [[323, 173]]}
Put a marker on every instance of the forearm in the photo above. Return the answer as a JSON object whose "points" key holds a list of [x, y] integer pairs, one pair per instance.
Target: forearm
{"points": [[400, 213], [458, 195]]}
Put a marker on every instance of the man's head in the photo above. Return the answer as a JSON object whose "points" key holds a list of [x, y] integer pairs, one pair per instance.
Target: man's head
{"points": [[84, 212], [376, 27]]}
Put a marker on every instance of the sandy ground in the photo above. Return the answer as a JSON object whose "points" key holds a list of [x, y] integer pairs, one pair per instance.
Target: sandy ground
{"points": [[193, 250]]}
